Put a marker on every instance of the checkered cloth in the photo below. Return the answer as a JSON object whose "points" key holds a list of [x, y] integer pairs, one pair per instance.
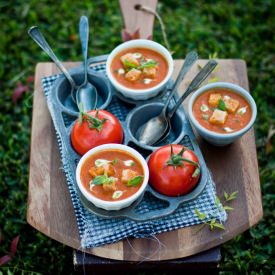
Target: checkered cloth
{"points": [[96, 231]]}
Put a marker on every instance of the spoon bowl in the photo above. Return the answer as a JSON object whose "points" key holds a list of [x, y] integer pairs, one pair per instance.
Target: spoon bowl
{"points": [[152, 130], [142, 113], [86, 94]]}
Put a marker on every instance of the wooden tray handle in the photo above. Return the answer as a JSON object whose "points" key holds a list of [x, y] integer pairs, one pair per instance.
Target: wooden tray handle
{"points": [[137, 20]]}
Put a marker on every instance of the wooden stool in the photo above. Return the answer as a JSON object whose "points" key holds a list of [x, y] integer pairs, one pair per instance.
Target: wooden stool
{"points": [[53, 214]]}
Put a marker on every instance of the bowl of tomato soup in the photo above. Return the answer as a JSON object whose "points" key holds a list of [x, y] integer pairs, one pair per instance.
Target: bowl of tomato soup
{"points": [[139, 69], [112, 176], [222, 112]]}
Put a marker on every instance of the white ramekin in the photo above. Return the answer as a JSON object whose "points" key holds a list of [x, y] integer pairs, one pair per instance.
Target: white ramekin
{"points": [[113, 205], [140, 94]]}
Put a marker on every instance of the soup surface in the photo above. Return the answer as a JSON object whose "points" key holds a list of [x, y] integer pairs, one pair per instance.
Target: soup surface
{"points": [[112, 175], [139, 68], [222, 111]]}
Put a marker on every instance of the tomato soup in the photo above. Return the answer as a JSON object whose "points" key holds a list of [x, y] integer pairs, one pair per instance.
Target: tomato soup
{"points": [[139, 68], [112, 175], [222, 111]]}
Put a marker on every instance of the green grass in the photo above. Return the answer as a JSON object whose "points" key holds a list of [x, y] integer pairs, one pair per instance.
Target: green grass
{"points": [[244, 30]]}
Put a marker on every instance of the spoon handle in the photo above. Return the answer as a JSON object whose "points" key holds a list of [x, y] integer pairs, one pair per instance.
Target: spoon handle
{"points": [[190, 59], [196, 82], [38, 37], [84, 38]]}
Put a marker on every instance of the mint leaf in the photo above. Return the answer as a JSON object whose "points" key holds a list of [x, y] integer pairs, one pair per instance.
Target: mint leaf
{"points": [[135, 181], [222, 105], [148, 64], [129, 65], [99, 180]]}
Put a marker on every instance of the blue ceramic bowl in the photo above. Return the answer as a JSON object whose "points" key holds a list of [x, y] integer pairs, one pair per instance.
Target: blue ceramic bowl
{"points": [[215, 138]]}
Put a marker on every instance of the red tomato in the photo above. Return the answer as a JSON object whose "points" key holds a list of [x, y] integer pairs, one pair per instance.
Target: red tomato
{"points": [[174, 171], [95, 128]]}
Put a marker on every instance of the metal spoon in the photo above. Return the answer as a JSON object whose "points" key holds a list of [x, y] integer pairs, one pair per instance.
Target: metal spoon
{"points": [[38, 37], [196, 82], [86, 94], [151, 131]]}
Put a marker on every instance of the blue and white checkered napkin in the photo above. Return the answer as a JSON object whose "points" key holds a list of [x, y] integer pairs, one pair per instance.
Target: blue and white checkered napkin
{"points": [[96, 231]]}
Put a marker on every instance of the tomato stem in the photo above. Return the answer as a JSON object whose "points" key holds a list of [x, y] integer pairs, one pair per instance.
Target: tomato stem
{"points": [[177, 159], [93, 122]]}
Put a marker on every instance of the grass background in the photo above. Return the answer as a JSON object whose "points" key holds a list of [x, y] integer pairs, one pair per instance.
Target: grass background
{"points": [[243, 29]]}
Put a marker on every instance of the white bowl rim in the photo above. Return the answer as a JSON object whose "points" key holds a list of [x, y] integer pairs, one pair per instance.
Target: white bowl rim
{"points": [[145, 44], [119, 203], [227, 85]]}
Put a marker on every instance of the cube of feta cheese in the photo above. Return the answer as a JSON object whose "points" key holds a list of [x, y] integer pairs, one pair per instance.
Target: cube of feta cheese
{"points": [[133, 75], [218, 117], [128, 59], [231, 105], [214, 99], [150, 72]]}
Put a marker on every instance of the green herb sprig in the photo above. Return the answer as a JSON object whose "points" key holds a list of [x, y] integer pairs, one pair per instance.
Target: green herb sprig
{"points": [[148, 64], [135, 181], [213, 223], [221, 105]]}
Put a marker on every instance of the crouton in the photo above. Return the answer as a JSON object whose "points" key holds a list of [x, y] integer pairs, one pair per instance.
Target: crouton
{"points": [[127, 175], [214, 99], [128, 59], [133, 75], [110, 185], [231, 105], [218, 117], [96, 171], [107, 169], [150, 72]]}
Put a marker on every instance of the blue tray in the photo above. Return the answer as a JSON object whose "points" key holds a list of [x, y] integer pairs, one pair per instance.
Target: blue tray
{"points": [[65, 113]]}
